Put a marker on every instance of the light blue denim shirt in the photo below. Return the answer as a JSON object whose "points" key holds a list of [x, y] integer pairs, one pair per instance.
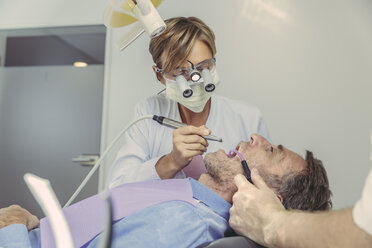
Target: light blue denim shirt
{"points": [[169, 224]]}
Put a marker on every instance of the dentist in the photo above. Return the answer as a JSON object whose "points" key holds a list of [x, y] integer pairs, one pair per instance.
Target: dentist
{"points": [[184, 57]]}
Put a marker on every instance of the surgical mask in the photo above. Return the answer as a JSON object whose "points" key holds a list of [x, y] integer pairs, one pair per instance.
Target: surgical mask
{"points": [[196, 102]]}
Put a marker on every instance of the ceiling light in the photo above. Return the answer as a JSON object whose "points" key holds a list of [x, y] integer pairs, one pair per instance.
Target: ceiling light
{"points": [[80, 64]]}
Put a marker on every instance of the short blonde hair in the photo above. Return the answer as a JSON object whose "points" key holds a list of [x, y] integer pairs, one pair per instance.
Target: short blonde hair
{"points": [[172, 48]]}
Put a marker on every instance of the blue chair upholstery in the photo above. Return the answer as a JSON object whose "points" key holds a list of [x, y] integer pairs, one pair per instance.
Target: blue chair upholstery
{"points": [[233, 240]]}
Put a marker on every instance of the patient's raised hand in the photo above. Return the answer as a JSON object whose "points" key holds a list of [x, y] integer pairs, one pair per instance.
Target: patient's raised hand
{"points": [[15, 214]]}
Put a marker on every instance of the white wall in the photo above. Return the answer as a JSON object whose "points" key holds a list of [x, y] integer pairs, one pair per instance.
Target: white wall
{"points": [[50, 13], [306, 64]]}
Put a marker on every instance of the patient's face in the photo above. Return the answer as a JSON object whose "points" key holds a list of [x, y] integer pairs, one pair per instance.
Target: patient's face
{"points": [[268, 159]]}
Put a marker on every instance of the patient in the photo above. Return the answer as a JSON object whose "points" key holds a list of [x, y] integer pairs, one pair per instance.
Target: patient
{"points": [[299, 184]]}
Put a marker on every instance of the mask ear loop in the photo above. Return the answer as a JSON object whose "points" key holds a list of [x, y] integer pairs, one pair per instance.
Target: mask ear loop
{"points": [[247, 172], [158, 71], [161, 91]]}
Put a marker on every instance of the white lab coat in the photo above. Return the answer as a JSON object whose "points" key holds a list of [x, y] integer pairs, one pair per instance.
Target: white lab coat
{"points": [[147, 141], [362, 213]]}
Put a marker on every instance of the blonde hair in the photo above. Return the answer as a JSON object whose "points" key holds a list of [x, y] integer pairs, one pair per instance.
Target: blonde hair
{"points": [[172, 48]]}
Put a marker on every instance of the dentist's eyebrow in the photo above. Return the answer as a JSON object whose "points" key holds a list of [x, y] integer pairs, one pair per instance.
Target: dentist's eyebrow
{"points": [[200, 63]]}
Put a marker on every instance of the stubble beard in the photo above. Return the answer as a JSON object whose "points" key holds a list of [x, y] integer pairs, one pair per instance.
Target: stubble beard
{"points": [[216, 171]]}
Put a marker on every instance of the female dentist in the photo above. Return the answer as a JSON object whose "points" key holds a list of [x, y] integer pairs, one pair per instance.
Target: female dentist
{"points": [[184, 57]]}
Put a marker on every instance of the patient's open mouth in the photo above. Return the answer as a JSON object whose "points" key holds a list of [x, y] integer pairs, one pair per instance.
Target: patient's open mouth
{"points": [[231, 153]]}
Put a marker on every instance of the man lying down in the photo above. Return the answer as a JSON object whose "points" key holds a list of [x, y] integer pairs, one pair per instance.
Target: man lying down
{"points": [[183, 212]]}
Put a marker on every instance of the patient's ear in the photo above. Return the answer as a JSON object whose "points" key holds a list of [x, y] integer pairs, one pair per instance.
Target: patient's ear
{"points": [[280, 198]]}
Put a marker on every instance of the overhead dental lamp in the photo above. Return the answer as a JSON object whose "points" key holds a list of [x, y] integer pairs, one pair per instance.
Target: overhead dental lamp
{"points": [[121, 13]]}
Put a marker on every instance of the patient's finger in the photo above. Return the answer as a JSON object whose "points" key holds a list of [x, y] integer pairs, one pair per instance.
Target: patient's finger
{"points": [[32, 222], [241, 181], [257, 179]]}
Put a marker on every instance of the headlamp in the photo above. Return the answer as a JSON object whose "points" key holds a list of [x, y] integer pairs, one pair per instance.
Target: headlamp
{"points": [[194, 73]]}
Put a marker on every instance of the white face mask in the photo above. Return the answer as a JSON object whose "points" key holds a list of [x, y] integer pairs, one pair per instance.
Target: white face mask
{"points": [[199, 98]]}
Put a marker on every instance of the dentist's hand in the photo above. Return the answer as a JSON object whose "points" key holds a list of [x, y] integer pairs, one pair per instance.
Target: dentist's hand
{"points": [[14, 214], [187, 143], [256, 210]]}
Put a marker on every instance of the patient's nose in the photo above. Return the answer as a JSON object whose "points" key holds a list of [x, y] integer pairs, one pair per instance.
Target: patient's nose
{"points": [[258, 140]]}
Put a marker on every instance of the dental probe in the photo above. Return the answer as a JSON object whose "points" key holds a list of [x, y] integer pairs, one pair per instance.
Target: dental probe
{"points": [[175, 124]]}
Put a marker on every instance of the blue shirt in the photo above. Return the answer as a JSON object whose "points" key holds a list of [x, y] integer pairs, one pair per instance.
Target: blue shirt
{"points": [[168, 224]]}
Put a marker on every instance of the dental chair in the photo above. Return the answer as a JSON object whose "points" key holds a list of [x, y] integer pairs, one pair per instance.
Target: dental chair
{"points": [[232, 240]]}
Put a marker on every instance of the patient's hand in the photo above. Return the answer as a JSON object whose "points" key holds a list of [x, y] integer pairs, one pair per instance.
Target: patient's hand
{"points": [[17, 215]]}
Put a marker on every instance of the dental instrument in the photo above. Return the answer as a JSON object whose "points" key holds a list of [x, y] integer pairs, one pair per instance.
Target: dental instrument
{"points": [[47, 199], [106, 238], [247, 172], [175, 124], [44, 194]]}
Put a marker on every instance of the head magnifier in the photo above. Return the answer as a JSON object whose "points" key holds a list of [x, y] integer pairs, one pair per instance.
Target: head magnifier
{"points": [[194, 74]]}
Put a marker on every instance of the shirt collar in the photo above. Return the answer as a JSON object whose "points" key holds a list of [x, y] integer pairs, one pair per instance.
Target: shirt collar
{"points": [[210, 198]]}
